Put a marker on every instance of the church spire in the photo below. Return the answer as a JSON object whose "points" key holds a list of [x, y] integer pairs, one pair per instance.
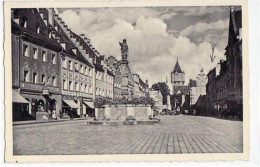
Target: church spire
{"points": [[177, 68]]}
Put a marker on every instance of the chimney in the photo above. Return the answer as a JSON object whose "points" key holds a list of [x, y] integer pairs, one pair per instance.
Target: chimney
{"points": [[50, 16], [232, 9], [82, 36]]}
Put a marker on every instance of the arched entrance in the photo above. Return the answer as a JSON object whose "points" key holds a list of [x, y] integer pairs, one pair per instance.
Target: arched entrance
{"points": [[52, 109], [40, 105]]}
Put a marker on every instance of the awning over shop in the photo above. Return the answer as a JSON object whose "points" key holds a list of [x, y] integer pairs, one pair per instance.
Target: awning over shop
{"points": [[89, 104], [71, 103], [17, 98]]}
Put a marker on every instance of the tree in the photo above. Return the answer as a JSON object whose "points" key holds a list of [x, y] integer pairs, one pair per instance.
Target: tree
{"points": [[162, 86]]}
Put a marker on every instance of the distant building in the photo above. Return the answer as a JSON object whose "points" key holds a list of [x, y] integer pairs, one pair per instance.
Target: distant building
{"points": [[112, 63], [139, 86], [197, 87], [211, 94], [179, 89], [156, 95], [104, 79]]}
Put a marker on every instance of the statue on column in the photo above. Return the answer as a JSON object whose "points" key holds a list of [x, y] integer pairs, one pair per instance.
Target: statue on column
{"points": [[124, 49]]}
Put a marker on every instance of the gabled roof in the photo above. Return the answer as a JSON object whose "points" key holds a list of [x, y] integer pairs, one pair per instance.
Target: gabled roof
{"points": [[177, 68]]}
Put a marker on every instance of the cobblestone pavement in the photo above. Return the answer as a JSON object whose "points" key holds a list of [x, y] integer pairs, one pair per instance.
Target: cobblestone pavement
{"points": [[175, 134]]}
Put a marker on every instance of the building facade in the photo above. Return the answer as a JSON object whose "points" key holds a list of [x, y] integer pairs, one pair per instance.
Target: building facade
{"points": [[39, 64], [104, 79], [226, 85], [56, 73], [76, 71], [140, 86]]}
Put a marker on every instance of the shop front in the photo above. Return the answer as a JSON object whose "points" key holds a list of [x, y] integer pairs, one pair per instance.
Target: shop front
{"points": [[42, 105], [88, 108], [69, 109], [20, 107]]}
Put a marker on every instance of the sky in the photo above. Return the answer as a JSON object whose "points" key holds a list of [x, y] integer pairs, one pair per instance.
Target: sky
{"points": [[156, 36]]}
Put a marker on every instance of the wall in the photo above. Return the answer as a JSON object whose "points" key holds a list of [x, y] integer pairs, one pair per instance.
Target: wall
{"points": [[120, 112]]}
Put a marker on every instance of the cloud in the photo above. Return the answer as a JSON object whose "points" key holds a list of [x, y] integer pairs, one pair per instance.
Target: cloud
{"points": [[152, 50], [168, 16], [202, 27], [201, 10]]}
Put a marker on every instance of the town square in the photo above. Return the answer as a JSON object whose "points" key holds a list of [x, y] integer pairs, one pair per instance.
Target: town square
{"points": [[148, 80]]}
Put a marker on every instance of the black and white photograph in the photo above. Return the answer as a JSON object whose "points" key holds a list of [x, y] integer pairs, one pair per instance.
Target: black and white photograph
{"points": [[129, 80]]}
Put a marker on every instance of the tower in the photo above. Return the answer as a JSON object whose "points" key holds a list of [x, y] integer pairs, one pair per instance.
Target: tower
{"points": [[177, 75]]}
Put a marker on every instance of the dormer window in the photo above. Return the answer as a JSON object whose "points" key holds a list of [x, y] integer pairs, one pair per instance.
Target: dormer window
{"points": [[24, 22], [38, 29], [50, 34]]}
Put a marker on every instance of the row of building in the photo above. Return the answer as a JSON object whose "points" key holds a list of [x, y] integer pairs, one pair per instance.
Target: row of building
{"points": [[222, 87], [225, 82], [58, 73]]}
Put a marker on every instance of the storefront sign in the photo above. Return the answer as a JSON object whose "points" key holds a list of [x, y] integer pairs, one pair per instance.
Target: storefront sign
{"points": [[45, 92]]}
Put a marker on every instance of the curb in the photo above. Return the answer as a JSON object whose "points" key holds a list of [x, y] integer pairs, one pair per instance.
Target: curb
{"points": [[46, 121]]}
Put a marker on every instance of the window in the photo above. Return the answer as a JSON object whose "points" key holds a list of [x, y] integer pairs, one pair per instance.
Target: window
{"points": [[43, 79], [76, 67], [102, 77], [70, 85], [49, 80], [64, 64], [53, 58], [70, 65], [81, 69], [89, 72], [86, 88], [26, 50], [44, 56], [26, 76], [96, 91], [50, 34], [38, 29], [35, 53], [86, 70], [64, 84], [35, 77], [82, 88], [24, 22], [77, 86], [54, 81], [90, 89]]}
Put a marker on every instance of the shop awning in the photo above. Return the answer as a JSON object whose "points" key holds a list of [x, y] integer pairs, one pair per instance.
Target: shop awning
{"points": [[71, 103], [17, 98], [89, 104]]}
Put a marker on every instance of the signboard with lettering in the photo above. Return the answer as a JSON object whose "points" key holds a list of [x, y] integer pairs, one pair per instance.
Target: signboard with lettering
{"points": [[45, 92]]}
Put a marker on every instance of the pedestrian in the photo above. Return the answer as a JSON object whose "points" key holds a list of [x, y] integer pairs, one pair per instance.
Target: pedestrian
{"points": [[54, 114], [194, 112], [49, 114]]}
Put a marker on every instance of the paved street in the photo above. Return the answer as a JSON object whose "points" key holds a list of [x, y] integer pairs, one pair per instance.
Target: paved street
{"points": [[175, 134]]}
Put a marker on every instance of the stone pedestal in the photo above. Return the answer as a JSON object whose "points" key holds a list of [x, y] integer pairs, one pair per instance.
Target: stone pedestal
{"points": [[149, 111], [130, 110], [107, 111]]}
